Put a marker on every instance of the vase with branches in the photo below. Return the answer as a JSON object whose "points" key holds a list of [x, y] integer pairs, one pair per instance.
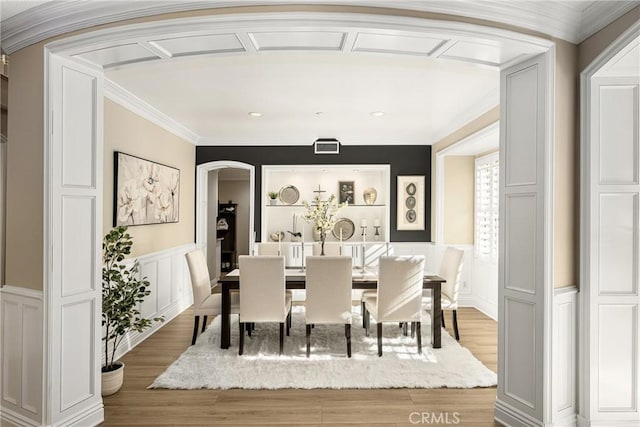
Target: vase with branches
{"points": [[322, 215], [123, 290]]}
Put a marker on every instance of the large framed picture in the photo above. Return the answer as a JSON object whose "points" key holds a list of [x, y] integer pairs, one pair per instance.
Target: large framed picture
{"points": [[410, 214], [145, 192]]}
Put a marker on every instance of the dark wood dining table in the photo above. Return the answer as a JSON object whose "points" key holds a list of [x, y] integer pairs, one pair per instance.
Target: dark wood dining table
{"points": [[295, 279]]}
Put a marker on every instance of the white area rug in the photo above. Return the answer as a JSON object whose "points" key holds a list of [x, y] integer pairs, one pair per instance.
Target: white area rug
{"points": [[205, 365]]}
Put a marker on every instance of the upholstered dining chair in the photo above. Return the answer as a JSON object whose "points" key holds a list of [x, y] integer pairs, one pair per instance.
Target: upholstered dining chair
{"points": [[269, 248], [450, 270], [204, 302], [328, 286], [399, 294], [262, 285]]}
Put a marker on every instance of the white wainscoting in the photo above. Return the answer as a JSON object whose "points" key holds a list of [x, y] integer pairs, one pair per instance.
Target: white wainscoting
{"points": [[170, 288], [484, 291], [21, 356], [565, 362]]}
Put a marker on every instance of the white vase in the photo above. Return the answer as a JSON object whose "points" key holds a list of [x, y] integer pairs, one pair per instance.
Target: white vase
{"points": [[370, 194], [112, 380], [273, 201]]}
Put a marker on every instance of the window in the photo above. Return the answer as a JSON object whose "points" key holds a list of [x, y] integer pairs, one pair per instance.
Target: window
{"points": [[487, 206]]}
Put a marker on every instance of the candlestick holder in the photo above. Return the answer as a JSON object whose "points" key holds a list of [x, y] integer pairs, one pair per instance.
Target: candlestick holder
{"points": [[364, 247], [302, 253], [376, 235]]}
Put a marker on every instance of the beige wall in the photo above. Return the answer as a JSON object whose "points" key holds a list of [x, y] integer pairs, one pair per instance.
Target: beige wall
{"points": [[459, 181], [25, 176], [127, 132], [566, 185], [590, 48], [470, 128]]}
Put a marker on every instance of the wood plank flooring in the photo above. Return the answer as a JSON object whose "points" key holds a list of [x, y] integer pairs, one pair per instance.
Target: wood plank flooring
{"points": [[134, 405]]}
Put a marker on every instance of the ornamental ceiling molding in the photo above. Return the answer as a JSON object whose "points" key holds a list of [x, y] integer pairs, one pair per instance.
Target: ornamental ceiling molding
{"points": [[564, 20]]}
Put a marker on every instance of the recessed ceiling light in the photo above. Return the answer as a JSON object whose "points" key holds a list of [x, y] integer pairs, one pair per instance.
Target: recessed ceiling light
{"points": [[377, 113], [319, 113], [255, 114]]}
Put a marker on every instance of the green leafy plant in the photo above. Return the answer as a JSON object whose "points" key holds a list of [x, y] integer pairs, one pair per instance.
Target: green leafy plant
{"points": [[273, 194], [122, 293]]}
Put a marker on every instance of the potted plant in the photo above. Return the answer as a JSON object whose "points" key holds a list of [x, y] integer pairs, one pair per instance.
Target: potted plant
{"points": [[322, 215], [273, 196], [122, 293]]}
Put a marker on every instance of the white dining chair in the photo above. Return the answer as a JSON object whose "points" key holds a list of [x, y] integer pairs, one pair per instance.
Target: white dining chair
{"points": [[450, 270], [204, 302], [270, 248], [399, 295], [328, 286], [262, 286]]}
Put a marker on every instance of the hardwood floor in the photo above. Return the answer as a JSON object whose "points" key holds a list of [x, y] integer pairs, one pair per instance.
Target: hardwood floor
{"points": [[134, 405]]}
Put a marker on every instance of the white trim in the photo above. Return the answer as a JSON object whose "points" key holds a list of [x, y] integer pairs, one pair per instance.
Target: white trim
{"points": [[56, 18], [21, 292], [120, 95], [587, 404], [509, 416], [487, 103], [15, 418], [202, 195]]}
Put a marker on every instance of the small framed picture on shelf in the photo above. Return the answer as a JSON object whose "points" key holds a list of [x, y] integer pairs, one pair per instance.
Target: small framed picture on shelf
{"points": [[410, 203], [346, 192]]}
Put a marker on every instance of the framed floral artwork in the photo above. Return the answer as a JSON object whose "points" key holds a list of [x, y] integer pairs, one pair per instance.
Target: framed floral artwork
{"points": [[410, 214], [146, 192]]}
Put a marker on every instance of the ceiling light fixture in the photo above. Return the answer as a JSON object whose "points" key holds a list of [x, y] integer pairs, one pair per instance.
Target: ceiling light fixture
{"points": [[319, 113], [377, 113], [255, 114]]}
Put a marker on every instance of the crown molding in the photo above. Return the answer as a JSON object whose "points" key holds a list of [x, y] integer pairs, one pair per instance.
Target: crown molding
{"points": [[120, 95], [558, 19]]}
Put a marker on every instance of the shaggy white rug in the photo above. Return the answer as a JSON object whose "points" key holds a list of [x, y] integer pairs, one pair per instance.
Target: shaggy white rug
{"points": [[205, 365]]}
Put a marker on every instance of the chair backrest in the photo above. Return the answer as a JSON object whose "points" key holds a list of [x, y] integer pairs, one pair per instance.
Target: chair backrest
{"points": [[400, 281], [328, 288], [269, 248], [450, 270], [262, 288], [330, 249], [200, 279]]}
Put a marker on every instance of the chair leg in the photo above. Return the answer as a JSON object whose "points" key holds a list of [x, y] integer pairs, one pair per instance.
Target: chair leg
{"points": [[379, 339], [281, 338], [367, 323], [347, 333], [308, 340], [196, 321], [400, 324], [241, 342], [363, 310], [442, 318], [404, 329], [419, 337], [288, 321], [248, 328], [455, 324], [413, 329], [204, 323]]}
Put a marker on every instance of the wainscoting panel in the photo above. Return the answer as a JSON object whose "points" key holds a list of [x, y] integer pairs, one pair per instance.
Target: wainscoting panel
{"points": [[565, 363], [170, 288], [21, 356]]}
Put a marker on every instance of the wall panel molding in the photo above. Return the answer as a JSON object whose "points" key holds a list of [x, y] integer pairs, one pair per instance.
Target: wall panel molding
{"points": [[21, 355], [565, 356]]}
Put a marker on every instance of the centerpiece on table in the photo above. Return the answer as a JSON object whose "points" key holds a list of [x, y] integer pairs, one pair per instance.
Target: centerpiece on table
{"points": [[322, 215]]}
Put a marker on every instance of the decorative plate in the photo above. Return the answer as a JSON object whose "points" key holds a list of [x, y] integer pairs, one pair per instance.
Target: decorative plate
{"points": [[289, 194], [347, 227], [411, 215], [411, 189]]}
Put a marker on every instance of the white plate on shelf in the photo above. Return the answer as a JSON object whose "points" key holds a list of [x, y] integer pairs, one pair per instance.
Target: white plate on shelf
{"points": [[347, 226], [289, 194]]}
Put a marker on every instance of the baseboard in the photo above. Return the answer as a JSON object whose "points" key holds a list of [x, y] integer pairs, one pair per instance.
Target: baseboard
{"points": [[507, 415], [583, 422], [10, 418], [91, 416], [486, 308]]}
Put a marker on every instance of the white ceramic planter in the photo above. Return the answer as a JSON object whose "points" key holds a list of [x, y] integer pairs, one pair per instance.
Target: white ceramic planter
{"points": [[112, 380]]}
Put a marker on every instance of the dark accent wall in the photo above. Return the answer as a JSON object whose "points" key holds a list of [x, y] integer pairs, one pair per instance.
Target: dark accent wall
{"points": [[404, 160]]}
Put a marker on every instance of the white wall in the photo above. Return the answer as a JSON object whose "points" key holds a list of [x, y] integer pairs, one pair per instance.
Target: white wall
{"points": [[212, 214]]}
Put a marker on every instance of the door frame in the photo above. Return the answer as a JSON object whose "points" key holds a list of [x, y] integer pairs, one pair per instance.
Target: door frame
{"points": [[586, 366], [75, 43], [202, 197]]}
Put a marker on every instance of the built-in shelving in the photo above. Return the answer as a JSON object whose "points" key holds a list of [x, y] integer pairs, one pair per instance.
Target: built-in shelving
{"points": [[308, 180]]}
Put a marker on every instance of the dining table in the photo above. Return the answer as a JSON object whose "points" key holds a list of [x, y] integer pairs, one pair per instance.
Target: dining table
{"points": [[362, 280]]}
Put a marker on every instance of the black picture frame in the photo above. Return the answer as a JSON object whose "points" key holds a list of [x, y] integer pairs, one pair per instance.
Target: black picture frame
{"points": [[346, 192]]}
